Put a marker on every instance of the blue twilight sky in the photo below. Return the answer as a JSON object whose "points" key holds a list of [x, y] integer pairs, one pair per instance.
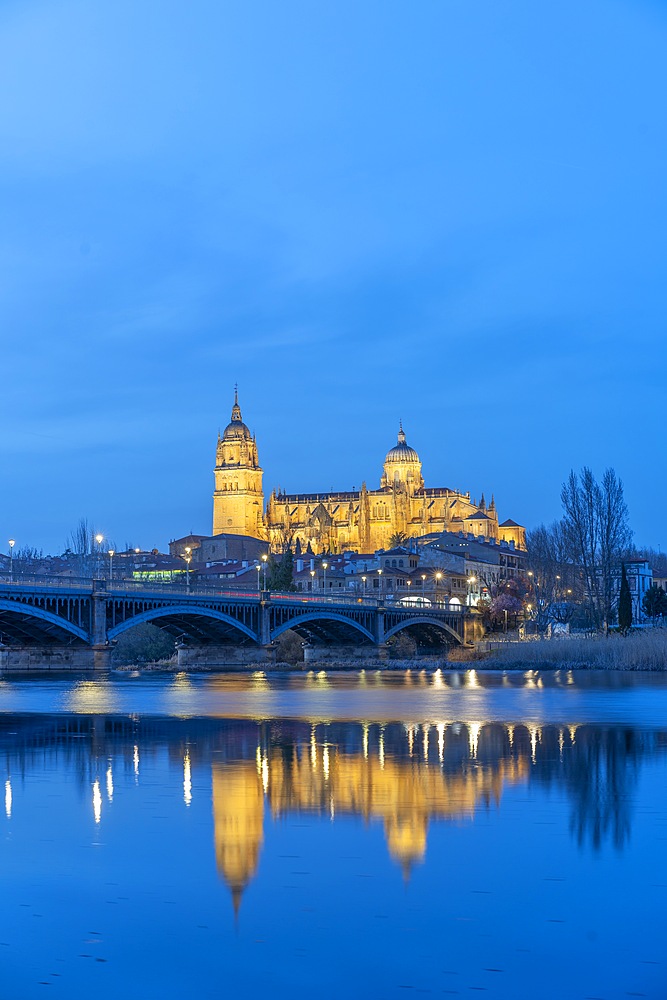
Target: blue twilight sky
{"points": [[448, 212]]}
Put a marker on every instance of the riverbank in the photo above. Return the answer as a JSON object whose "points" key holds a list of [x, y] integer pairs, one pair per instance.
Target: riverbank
{"points": [[646, 650], [640, 650]]}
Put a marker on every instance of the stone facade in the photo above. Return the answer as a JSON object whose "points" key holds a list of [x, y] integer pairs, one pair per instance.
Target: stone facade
{"points": [[361, 520]]}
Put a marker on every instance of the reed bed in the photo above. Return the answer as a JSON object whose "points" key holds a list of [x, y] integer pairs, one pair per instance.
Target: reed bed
{"points": [[641, 650]]}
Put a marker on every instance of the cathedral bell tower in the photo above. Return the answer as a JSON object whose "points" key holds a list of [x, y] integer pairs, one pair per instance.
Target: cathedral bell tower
{"points": [[238, 500]]}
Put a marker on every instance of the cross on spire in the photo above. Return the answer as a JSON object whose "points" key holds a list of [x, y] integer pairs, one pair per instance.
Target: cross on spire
{"points": [[236, 409]]}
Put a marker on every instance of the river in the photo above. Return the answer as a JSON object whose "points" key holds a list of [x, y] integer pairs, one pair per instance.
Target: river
{"points": [[360, 834]]}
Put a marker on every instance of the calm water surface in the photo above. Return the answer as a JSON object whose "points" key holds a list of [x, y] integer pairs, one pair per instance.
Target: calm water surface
{"points": [[360, 835]]}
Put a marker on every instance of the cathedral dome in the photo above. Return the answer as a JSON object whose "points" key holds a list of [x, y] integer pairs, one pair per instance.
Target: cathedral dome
{"points": [[401, 452]]}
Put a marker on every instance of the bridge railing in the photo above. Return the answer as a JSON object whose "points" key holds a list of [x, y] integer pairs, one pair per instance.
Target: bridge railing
{"points": [[119, 586]]}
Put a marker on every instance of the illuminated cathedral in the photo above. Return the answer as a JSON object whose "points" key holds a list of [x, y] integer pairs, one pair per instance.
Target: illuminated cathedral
{"points": [[362, 520]]}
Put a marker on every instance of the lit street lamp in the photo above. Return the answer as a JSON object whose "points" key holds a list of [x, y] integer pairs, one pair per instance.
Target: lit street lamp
{"points": [[258, 567], [312, 580], [111, 555], [96, 561], [188, 560], [12, 543], [438, 578], [380, 585], [423, 586], [325, 567], [471, 581], [363, 580], [264, 561]]}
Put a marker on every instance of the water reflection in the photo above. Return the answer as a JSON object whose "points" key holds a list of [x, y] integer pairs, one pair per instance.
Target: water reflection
{"points": [[404, 777], [404, 795]]}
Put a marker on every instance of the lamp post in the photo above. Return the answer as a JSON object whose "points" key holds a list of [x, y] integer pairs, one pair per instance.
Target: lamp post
{"points": [[111, 555], [363, 580], [96, 561], [438, 578], [423, 586], [12, 543], [533, 580], [188, 560], [408, 584], [258, 567], [312, 580], [325, 567], [471, 581], [264, 561], [380, 584]]}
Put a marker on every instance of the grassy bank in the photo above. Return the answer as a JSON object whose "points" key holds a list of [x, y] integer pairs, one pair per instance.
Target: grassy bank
{"points": [[645, 650]]}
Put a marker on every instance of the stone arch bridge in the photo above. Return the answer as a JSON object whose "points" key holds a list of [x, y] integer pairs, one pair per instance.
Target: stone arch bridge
{"points": [[60, 623]]}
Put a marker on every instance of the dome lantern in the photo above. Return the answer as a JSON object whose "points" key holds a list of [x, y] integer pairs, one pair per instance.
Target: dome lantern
{"points": [[402, 465]]}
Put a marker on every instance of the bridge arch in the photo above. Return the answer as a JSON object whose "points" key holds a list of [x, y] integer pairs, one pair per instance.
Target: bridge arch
{"points": [[300, 622], [24, 613], [434, 623], [181, 613]]}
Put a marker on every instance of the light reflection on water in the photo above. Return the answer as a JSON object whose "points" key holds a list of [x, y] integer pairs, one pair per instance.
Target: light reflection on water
{"points": [[439, 696], [425, 852]]}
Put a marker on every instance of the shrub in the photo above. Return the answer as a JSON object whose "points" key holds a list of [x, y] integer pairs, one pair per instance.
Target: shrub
{"points": [[402, 647], [289, 648], [143, 644]]}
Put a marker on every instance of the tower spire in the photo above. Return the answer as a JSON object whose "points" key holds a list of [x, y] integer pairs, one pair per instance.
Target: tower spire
{"points": [[236, 409]]}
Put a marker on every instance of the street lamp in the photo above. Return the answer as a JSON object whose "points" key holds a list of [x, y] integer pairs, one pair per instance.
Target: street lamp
{"points": [[258, 567], [533, 580], [12, 543], [423, 586], [380, 578], [264, 561], [438, 578], [188, 560], [312, 580], [111, 555], [471, 581], [363, 580], [325, 567], [96, 561], [408, 584]]}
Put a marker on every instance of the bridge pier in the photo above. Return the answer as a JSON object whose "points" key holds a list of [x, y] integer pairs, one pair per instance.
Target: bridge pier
{"points": [[316, 654], [102, 657], [98, 624], [34, 659], [248, 657], [473, 628]]}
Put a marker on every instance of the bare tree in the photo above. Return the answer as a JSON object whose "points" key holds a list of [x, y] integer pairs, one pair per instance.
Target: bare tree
{"points": [[553, 562], [81, 543], [80, 540], [26, 560], [596, 518]]}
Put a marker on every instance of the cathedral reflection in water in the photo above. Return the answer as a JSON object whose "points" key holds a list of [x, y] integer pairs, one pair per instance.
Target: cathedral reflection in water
{"points": [[405, 776], [324, 778]]}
